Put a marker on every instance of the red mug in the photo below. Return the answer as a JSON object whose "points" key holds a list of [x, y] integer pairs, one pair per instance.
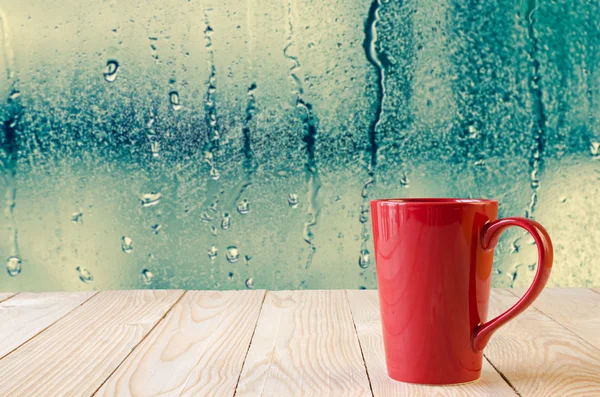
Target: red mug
{"points": [[434, 268]]}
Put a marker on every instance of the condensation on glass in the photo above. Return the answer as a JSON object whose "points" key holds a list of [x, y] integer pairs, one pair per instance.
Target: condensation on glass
{"points": [[230, 144]]}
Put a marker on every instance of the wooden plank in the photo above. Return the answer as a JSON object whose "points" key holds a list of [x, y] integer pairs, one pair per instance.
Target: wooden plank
{"points": [[578, 309], [540, 357], [80, 351], [5, 295], [365, 311], [198, 349], [304, 345], [27, 314]]}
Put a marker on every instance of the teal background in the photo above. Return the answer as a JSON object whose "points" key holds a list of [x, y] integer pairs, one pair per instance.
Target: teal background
{"points": [[306, 110]]}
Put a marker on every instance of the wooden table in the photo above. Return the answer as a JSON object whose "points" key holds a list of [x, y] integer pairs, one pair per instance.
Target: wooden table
{"points": [[257, 343]]}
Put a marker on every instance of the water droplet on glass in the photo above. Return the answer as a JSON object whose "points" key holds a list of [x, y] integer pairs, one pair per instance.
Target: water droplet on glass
{"points": [[153, 48], [515, 246], [226, 221], [535, 182], [250, 283], [473, 133], [147, 276], [126, 244], [595, 149], [364, 259], [208, 157], [293, 200], [243, 207], [214, 206], [76, 216], [13, 266], [151, 199], [364, 193], [174, 98], [14, 94], [212, 252], [364, 213], [110, 71], [404, 182], [156, 228], [532, 204], [84, 275], [155, 148], [232, 254]]}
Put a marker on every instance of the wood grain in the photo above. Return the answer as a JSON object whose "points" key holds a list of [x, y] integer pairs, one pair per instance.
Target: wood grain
{"points": [[365, 311], [304, 345], [198, 349], [5, 295], [80, 351], [541, 357], [27, 314], [578, 309]]}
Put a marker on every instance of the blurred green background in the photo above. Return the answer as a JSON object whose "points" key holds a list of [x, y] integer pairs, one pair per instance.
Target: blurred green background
{"points": [[231, 144]]}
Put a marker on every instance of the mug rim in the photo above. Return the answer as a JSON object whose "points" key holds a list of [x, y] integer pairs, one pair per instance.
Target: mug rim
{"points": [[434, 201]]}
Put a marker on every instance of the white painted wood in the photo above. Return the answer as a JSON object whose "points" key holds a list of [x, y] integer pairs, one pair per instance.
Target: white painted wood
{"points": [[78, 353], [5, 295], [541, 357], [578, 309], [304, 345], [27, 314], [198, 349]]}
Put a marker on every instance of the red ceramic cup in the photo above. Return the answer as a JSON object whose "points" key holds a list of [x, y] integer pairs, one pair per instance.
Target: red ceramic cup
{"points": [[434, 268]]}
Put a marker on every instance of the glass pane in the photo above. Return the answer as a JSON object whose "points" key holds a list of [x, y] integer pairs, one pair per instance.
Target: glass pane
{"points": [[228, 144]]}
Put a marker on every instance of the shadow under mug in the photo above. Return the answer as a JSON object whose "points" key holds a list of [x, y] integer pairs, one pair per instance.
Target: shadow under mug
{"points": [[434, 269]]}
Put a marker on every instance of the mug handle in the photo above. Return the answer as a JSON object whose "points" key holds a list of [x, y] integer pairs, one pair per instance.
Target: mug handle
{"points": [[489, 238]]}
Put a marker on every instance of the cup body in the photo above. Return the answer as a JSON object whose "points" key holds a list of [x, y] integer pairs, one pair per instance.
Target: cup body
{"points": [[434, 284]]}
